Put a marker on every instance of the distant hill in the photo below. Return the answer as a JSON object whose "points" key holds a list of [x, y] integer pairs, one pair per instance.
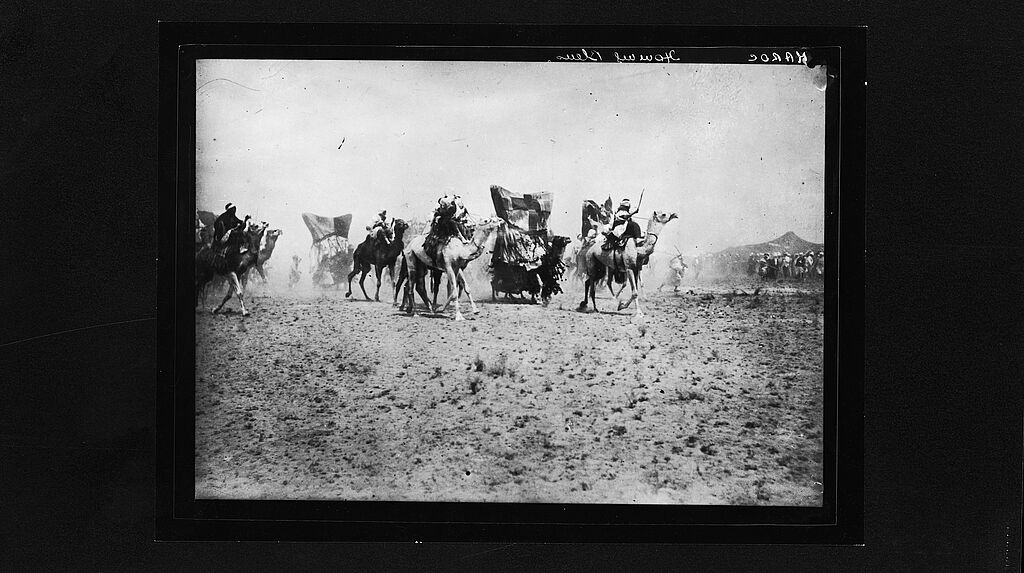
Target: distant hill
{"points": [[789, 242]]}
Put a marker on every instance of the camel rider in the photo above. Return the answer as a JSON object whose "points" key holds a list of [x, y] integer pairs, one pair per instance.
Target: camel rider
{"points": [[449, 221], [225, 224], [450, 217], [379, 228], [620, 225]]}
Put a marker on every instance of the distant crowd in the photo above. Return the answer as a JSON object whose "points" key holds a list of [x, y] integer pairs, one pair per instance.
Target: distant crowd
{"points": [[768, 266]]}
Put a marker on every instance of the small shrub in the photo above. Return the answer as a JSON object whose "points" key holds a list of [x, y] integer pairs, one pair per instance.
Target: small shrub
{"points": [[500, 368], [478, 364], [578, 354], [631, 400]]}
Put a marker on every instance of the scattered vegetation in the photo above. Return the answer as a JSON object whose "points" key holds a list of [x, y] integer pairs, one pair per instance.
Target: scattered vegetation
{"points": [[631, 400], [355, 368], [501, 368], [578, 354], [475, 383], [687, 395]]}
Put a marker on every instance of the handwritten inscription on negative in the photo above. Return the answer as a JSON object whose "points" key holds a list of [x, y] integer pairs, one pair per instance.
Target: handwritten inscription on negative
{"points": [[669, 56], [590, 55]]}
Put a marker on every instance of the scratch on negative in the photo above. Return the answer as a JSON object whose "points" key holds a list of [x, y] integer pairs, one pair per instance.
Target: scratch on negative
{"points": [[491, 550], [226, 80], [72, 330]]}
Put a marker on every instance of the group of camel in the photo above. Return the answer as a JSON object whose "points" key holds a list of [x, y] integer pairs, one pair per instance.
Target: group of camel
{"points": [[450, 262], [246, 251]]}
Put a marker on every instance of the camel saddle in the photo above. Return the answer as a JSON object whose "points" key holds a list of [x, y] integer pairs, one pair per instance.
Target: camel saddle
{"points": [[432, 244], [611, 242]]}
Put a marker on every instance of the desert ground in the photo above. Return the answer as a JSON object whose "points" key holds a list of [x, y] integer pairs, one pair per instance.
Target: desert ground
{"points": [[714, 398]]}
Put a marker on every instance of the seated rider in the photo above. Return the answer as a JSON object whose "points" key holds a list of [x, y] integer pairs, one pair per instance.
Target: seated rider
{"points": [[622, 227], [225, 223], [379, 229], [228, 231], [448, 221]]}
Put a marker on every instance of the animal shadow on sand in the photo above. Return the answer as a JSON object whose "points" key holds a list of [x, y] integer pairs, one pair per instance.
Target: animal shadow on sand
{"points": [[435, 315]]}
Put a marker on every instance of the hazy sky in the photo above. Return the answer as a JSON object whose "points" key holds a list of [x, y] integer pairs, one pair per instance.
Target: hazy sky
{"points": [[737, 151]]}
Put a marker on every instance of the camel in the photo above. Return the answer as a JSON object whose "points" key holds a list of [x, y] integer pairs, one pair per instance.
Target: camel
{"points": [[452, 258], [372, 252], [629, 259], [266, 251], [233, 264], [580, 266]]}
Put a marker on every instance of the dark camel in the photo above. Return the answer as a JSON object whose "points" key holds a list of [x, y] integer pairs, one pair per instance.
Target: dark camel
{"points": [[380, 256], [232, 264]]}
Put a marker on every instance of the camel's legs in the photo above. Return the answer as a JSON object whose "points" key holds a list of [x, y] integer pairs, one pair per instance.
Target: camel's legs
{"points": [[586, 292], [377, 270], [391, 272], [637, 287], [633, 288], [401, 279], [452, 294], [448, 286], [435, 287], [407, 277], [464, 288], [355, 270], [233, 286], [611, 284], [409, 296], [421, 287], [589, 290], [365, 271], [239, 290], [227, 297]]}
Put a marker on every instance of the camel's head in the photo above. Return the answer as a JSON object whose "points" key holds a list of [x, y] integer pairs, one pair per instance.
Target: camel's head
{"points": [[663, 218], [273, 234], [400, 226], [254, 229], [558, 244], [657, 223]]}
